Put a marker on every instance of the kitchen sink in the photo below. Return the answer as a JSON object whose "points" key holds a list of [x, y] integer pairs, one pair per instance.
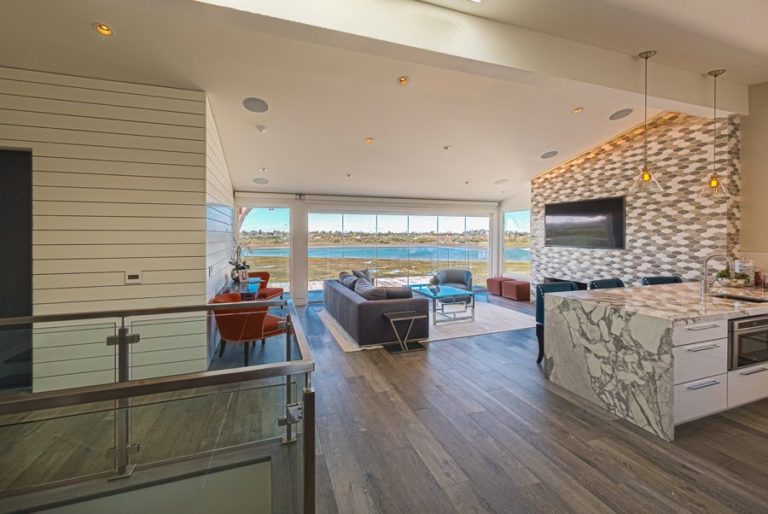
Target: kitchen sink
{"points": [[740, 298]]}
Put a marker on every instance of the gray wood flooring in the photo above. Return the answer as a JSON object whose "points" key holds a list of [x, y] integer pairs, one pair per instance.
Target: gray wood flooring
{"points": [[471, 425]]}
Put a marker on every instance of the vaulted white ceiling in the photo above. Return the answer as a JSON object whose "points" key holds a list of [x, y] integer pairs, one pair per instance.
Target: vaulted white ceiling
{"points": [[697, 35], [324, 100]]}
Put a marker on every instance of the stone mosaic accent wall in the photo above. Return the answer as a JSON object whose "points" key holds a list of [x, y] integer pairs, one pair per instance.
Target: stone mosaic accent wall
{"points": [[666, 233]]}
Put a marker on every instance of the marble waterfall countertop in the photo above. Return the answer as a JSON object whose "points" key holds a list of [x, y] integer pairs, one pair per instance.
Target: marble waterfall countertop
{"points": [[614, 347], [679, 303]]}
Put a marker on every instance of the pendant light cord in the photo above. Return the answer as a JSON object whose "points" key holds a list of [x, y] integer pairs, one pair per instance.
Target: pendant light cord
{"points": [[645, 130], [714, 130]]}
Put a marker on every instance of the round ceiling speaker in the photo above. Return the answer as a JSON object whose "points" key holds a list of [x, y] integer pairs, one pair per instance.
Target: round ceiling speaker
{"points": [[621, 113], [255, 104]]}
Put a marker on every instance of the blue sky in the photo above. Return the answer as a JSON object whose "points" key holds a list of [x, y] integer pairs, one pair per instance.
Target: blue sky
{"points": [[269, 219]]}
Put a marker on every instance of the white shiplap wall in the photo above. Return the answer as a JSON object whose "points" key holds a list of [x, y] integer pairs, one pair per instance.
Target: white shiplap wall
{"points": [[220, 206], [119, 185]]}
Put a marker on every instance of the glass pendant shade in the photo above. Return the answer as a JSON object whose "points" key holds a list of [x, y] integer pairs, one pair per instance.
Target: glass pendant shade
{"points": [[714, 187], [646, 181]]}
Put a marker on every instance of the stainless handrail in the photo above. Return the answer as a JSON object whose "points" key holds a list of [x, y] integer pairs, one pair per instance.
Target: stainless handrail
{"points": [[130, 313], [122, 390]]}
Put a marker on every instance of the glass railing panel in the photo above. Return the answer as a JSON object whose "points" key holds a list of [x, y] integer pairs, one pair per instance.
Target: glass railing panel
{"points": [[51, 447], [52, 356]]}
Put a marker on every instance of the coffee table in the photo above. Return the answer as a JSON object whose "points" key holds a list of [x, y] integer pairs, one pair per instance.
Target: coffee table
{"points": [[444, 296]]}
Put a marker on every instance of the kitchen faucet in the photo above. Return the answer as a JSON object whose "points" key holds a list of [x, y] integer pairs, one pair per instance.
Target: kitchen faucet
{"points": [[705, 282]]}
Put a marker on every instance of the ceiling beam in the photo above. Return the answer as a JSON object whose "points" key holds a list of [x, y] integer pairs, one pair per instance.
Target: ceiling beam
{"points": [[434, 35]]}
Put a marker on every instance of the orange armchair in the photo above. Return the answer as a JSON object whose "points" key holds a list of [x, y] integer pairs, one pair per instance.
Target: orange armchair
{"points": [[244, 325], [265, 293]]}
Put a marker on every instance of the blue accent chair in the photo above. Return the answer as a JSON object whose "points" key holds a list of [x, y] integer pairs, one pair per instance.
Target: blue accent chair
{"points": [[606, 283], [541, 290], [656, 281]]}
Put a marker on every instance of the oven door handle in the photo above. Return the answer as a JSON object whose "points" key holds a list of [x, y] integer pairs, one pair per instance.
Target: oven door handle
{"points": [[743, 331], [753, 371]]}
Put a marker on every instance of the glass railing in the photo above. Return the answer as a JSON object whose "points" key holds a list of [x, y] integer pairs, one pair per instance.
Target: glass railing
{"points": [[155, 423]]}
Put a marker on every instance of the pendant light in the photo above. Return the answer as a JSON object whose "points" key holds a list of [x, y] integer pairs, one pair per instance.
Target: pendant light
{"points": [[646, 181], [714, 186]]}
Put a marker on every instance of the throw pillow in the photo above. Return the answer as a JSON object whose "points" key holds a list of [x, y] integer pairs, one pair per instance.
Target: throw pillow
{"points": [[363, 273], [349, 281], [398, 293], [365, 289], [344, 274]]}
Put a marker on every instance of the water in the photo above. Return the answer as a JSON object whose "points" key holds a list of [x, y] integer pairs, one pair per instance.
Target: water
{"points": [[426, 253]]}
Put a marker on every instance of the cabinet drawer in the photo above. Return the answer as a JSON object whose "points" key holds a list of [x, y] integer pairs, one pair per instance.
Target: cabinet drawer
{"points": [[699, 360], [747, 384], [700, 332], [700, 398]]}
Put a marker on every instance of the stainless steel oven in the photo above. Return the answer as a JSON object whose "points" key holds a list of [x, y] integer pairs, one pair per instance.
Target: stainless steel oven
{"points": [[749, 341]]}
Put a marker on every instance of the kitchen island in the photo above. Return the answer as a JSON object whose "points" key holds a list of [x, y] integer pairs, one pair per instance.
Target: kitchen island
{"points": [[656, 356]]}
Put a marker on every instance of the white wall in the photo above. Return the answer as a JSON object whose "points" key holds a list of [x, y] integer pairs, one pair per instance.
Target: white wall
{"points": [[220, 208], [754, 170], [119, 185]]}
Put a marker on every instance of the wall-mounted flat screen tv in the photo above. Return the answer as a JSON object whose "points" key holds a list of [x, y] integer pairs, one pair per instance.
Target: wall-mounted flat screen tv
{"points": [[585, 224]]}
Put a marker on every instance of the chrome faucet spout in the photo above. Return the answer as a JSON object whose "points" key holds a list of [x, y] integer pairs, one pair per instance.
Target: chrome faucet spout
{"points": [[705, 279]]}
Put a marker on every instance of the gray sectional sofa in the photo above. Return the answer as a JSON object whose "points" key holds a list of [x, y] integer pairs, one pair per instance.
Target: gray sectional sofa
{"points": [[363, 318]]}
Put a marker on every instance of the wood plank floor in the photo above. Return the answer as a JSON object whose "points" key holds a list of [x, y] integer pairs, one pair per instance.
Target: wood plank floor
{"points": [[471, 425]]}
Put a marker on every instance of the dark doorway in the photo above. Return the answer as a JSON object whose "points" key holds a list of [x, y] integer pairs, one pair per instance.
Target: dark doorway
{"points": [[16, 268]]}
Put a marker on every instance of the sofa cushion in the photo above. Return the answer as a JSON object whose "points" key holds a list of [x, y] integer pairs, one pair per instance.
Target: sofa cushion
{"points": [[365, 289], [398, 293], [363, 273], [349, 281]]}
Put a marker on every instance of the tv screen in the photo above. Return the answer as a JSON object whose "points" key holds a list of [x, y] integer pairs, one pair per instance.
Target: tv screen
{"points": [[586, 224]]}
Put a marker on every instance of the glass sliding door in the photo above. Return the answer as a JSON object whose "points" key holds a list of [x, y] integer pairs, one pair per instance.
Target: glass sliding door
{"points": [[452, 251], [266, 240], [325, 248], [517, 242], [478, 239], [360, 240], [422, 248], [397, 249], [392, 259]]}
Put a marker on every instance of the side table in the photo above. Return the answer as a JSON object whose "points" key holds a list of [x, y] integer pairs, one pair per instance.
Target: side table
{"points": [[403, 343]]}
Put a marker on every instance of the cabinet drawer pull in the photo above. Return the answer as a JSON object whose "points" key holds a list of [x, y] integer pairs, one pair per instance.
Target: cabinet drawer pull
{"points": [[702, 385], [696, 328], [704, 347], [753, 371]]}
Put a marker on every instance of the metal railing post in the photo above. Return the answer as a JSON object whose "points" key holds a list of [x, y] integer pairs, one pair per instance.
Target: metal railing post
{"points": [[123, 466], [309, 444], [289, 437]]}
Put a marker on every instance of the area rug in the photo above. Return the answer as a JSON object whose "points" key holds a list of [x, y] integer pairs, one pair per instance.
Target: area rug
{"points": [[489, 319]]}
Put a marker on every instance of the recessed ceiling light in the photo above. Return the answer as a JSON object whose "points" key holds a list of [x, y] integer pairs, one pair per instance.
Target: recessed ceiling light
{"points": [[263, 170], [621, 113], [103, 29], [475, 1], [578, 110], [369, 140], [260, 181], [447, 147], [549, 154], [255, 104], [501, 181], [403, 80]]}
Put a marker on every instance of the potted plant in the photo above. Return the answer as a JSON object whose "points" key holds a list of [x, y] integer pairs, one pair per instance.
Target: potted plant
{"points": [[728, 278], [239, 267]]}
